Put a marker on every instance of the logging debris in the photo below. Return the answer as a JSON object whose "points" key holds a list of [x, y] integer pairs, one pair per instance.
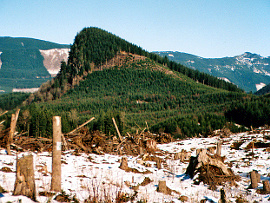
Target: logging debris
{"points": [[91, 142]]}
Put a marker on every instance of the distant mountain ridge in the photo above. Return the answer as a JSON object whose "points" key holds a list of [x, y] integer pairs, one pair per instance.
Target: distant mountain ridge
{"points": [[28, 62], [248, 71]]}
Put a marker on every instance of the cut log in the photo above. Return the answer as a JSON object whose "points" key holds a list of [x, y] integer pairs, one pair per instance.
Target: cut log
{"points": [[73, 131], [116, 127], [3, 113], [25, 179]]}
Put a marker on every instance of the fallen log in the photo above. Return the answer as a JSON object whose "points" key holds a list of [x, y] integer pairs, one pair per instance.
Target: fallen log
{"points": [[3, 113], [116, 127], [71, 132]]}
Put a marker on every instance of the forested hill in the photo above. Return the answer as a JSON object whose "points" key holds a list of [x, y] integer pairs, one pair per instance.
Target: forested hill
{"points": [[107, 77], [94, 48], [21, 62], [13, 43]]}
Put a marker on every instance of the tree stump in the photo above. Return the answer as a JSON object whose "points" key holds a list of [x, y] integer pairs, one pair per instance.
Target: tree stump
{"points": [[254, 177], [266, 186], [151, 145], [162, 187], [223, 198], [183, 155], [158, 163], [218, 152], [124, 164], [25, 178]]}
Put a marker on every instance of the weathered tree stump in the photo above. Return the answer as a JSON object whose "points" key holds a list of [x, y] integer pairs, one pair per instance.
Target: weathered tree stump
{"points": [[266, 186], [25, 178], [183, 155], [124, 164], [211, 169], [218, 152], [158, 163], [151, 144], [255, 179], [162, 187], [223, 198]]}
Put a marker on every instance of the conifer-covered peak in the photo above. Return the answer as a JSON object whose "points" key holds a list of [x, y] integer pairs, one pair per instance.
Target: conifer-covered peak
{"points": [[94, 46]]}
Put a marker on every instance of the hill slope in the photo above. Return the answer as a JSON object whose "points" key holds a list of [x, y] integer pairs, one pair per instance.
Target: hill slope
{"points": [[108, 77], [248, 71], [22, 62]]}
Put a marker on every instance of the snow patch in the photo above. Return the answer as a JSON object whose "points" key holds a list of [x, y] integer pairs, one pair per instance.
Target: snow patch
{"points": [[53, 58], [171, 55], [25, 90], [225, 79], [260, 86], [90, 174], [255, 70]]}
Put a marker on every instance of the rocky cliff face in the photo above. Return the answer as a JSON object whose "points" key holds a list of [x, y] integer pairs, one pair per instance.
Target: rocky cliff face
{"points": [[53, 58]]}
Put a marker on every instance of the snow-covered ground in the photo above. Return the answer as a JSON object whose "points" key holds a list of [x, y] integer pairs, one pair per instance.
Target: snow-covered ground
{"points": [[89, 174]]}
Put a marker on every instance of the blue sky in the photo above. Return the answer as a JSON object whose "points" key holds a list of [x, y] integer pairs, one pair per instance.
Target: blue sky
{"points": [[208, 28]]}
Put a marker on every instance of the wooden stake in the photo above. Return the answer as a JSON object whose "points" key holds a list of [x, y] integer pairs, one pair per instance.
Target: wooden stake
{"points": [[56, 155], [118, 132], [71, 132], [14, 118]]}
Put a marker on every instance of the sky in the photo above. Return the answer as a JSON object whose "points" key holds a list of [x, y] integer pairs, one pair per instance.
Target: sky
{"points": [[207, 28]]}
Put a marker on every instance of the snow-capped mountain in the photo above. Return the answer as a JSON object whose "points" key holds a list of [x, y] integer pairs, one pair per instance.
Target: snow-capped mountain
{"points": [[249, 71]]}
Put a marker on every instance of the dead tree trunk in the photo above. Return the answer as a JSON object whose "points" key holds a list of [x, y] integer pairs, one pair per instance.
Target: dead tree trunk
{"points": [[14, 118], [56, 155], [25, 179]]}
